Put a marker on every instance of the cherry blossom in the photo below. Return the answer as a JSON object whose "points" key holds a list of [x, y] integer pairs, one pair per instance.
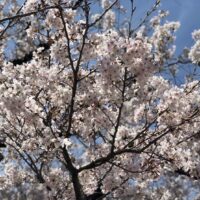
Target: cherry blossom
{"points": [[85, 112]]}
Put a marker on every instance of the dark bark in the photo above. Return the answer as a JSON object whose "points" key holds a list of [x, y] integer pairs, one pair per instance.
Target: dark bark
{"points": [[2, 145], [78, 187], [28, 57], [78, 190], [97, 195]]}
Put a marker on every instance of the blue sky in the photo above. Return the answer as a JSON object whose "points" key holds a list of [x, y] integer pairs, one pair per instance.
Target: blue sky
{"points": [[188, 13], [185, 11]]}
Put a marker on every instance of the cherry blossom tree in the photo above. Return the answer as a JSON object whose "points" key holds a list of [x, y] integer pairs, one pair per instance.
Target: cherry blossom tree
{"points": [[85, 111]]}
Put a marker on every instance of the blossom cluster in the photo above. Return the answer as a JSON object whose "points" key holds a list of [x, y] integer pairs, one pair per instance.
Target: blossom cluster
{"points": [[194, 53]]}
